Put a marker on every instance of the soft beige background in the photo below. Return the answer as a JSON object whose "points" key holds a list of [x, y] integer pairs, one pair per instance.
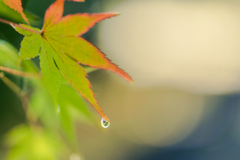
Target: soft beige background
{"points": [[181, 55], [185, 44]]}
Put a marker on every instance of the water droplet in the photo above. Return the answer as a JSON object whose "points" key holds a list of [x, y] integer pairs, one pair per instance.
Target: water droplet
{"points": [[75, 156], [104, 123]]}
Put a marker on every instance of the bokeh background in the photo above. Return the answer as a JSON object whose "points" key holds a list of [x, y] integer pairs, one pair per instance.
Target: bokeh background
{"points": [[184, 57]]}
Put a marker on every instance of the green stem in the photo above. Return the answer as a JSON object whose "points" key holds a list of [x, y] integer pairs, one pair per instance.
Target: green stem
{"points": [[19, 73], [17, 25]]}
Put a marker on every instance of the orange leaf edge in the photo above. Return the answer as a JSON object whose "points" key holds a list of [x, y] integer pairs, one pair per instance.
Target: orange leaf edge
{"points": [[113, 67], [17, 6]]}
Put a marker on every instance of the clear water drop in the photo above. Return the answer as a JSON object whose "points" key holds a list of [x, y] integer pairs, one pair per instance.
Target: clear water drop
{"points": [[104, 123]]}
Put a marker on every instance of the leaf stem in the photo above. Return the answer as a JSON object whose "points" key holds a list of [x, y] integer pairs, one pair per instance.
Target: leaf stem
{"points": [[19, 73], [10, 84], [17, 25]]}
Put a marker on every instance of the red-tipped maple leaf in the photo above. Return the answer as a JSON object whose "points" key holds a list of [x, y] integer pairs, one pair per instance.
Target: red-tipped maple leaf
{"points": [[61, 49]]}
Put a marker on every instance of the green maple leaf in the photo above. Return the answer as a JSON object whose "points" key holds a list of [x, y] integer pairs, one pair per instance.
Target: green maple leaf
{"points": [[61, 49]]}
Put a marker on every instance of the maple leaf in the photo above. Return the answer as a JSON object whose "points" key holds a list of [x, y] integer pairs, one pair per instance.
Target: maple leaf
{"points": [[61, 49], [17, 6]]}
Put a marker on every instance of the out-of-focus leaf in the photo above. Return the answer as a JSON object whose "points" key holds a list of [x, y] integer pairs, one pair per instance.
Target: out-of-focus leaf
{"points": [[8, 56], [33, 144], [18, 135], [42, 105], [69, 100], [73, 101], [32, 17], [68, 126]]}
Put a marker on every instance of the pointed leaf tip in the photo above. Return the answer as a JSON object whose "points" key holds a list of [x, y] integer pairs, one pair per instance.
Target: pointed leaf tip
{"points": [[53, 14], [17, 6]]}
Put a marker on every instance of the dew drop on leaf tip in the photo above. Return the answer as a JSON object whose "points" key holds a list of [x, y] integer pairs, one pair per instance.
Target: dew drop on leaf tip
{"points": [[104, 123]]}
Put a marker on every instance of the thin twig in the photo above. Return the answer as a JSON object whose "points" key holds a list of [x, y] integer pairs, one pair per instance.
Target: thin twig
{"points": [[17, 25], [19, 73]]}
